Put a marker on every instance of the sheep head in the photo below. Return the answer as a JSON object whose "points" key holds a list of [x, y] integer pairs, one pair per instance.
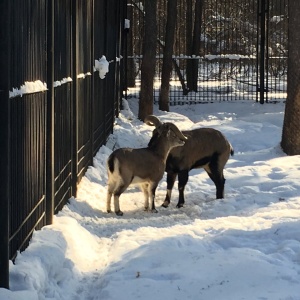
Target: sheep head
{"points": [[160, 127]]}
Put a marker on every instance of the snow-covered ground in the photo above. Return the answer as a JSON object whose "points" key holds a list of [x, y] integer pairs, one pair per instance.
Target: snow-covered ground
{"points": [[246, 246]]}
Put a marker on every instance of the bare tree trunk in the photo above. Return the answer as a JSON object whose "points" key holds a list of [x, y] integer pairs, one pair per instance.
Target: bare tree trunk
{"points": [[177, 70], [175, 65], [189, 40], [291, 130], [192, 64], [189, 26], [148, 62], [168, 51]]}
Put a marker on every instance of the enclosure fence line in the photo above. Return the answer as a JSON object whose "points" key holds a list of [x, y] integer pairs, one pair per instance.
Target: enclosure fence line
{"points": [[61, 84], [243, 51]]}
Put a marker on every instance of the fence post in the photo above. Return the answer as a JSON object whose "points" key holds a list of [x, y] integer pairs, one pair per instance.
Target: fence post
{"points": [[125, 32], [50, 115], [262, 51], [75, 97], [4, 141], [92, 114]]}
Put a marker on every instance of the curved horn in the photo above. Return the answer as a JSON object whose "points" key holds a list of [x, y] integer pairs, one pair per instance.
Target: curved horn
{"points": [[177, 131], [152, 121]]}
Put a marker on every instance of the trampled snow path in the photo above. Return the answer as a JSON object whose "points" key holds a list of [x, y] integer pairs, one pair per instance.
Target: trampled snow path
{"points": [[246, 246]]}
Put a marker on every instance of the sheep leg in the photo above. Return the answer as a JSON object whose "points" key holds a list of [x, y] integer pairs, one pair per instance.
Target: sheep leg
{"points": [[219, 182], [110, 189], [146, 197], [151, 191], [108, 201], [183, 177], [171, 177], [220, 187], [117, 195], [218, 178], [118, 212]]}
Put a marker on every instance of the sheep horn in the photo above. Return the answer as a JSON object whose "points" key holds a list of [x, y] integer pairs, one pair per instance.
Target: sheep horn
{"points": [[177, 131], [152, 121]]}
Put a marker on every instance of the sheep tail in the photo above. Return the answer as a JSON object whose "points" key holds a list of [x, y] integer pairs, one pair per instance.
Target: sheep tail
{"points": [[231, 150], [111, 164]]}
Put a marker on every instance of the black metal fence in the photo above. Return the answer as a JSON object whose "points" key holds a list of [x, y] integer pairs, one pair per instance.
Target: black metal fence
{"points": [[243, 50], [56, 111]]}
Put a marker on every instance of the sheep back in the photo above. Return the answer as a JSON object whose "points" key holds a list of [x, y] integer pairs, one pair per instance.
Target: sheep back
{"points": [[201, 145], [132, 164]]}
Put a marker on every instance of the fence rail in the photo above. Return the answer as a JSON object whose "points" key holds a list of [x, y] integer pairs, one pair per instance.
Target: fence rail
{"points": [[56, 111]]}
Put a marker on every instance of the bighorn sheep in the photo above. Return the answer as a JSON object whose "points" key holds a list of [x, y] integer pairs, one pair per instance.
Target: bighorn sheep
{"points": [[143, 166], [205, 148]]}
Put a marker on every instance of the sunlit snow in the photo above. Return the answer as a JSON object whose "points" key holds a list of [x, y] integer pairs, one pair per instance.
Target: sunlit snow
{"points": [[246, 246]]}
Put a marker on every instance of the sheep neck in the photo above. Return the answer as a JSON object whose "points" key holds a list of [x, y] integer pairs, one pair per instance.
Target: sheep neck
{"points": [[161, 148]]}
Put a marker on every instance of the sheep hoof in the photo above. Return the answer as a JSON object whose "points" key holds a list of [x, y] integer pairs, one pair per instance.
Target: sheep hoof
{"points": [[119, 213], [165, 204], [154, 210], [179, 205], [109, 211]]}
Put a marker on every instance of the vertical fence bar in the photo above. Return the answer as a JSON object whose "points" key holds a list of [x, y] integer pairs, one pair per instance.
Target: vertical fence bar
{"points": [[262, 51], [92, 106], [50, 115], [125, 48], [75, 97], [124, 35], [266, 88], [4, 141], [118, 28], [257, 50]]}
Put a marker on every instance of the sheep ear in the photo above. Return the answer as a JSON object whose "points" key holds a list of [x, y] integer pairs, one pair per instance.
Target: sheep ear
{"points": [[160, 128], [168, 133], [177, 131]]}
